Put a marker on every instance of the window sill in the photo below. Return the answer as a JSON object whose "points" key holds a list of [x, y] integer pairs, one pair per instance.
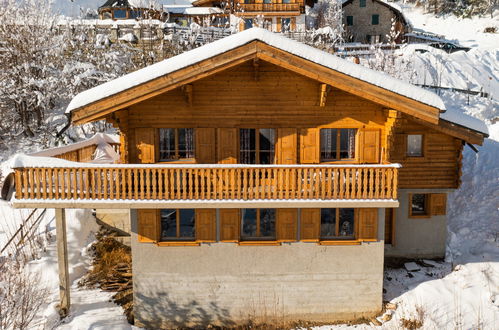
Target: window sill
{"points": [[342, 161], [178, 161], [178, 244], [349, 242], [259, 243], [419, 216]]}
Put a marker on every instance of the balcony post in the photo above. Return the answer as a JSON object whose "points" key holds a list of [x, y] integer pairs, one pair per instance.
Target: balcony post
{"points": [[62, 258]]}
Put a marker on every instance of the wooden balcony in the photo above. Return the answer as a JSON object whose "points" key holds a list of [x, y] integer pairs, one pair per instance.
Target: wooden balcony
{"points": [[140, 186], [268, 7]]}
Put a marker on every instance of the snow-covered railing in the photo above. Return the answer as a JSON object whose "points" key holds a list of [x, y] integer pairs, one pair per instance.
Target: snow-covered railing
{"points": [[267, 7], [206, 182]]}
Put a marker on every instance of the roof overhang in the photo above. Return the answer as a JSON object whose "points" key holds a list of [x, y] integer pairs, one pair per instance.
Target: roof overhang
{"points": [[255, 49]]}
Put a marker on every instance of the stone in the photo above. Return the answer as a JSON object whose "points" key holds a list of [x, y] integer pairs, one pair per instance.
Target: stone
{"points": [[412, 266]]}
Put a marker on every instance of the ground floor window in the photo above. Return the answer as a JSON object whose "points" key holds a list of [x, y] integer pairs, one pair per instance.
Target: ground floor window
{"points": [[177, 224], [419, 205], [258, 224], [337, 223]]}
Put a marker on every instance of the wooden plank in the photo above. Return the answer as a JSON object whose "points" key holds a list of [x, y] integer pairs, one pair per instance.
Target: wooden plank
{"points": [[63, 264]]}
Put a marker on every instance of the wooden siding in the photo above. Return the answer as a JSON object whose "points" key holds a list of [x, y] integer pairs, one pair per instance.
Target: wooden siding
{"points": [[233, 98], [440, 165]]}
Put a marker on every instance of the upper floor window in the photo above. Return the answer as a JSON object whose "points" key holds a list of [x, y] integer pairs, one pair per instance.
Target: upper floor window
{"points": [[337, 223], [337, 144], [178, 224], [248, 23], [176, 143], [267, 1], [286, 1], [349, 20], [258, 224], [257, 146], [119, 13], [415, 145], [362, 3], [135, 13], [375, 20]]}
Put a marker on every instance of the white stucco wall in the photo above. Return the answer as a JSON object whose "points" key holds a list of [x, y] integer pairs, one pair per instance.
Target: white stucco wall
{"points": [[227, 284], [417, 237]]}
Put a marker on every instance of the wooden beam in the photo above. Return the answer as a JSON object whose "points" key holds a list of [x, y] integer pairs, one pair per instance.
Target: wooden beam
{"points": [[256, 66], [323, 94], [188, 89], [62, 259]]}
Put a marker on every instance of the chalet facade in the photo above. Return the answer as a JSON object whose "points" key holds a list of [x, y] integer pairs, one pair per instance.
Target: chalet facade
{"points": [[370, 21], [131, 9], [264, 179]]}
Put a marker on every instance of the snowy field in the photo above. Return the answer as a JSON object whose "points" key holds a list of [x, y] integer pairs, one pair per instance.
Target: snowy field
{"points": [[460, 293]]}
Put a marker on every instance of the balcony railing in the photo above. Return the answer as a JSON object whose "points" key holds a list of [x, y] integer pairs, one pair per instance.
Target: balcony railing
{"points": [[207, 182], [268, 7]]}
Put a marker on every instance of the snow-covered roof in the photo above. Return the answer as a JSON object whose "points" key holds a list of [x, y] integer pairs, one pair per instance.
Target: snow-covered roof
{"points": [[272, 39], [391, 5], [202, 11], [456, 116], [97, 139]]}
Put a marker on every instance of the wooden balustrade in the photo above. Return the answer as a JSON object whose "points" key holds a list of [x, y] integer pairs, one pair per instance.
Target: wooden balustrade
{"points": [[278, 182], [268, 7]]}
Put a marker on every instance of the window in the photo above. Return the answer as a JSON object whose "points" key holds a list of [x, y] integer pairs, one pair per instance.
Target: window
{"points": [[257, 146], [176, 143], [349, 20], [286, 1], [258, 224], [248, 23], [419, 205], [337, 223], [337, 144], [415, 145], [135, 13], [267, 24], [178, 224], [362, 3], [119, 13], [286, 24], [267, 1], [375, 20]]}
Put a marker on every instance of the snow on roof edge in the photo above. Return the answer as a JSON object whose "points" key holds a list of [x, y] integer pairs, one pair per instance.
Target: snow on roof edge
{"points": [[457, 117], [196, 55], [97, 139]]}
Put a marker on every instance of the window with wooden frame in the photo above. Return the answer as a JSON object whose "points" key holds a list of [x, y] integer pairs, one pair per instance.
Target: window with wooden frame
{"points": [[415, 145], [258, 224], [177, 225], [337, 144], [419, 205], [257, 146], [349, 20], [362, 3], [337, 224], [375, 19], [176, 144]]}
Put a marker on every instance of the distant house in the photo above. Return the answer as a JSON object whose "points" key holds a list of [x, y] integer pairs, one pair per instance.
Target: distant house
{"points": [[262, 178], [131, 9], [370, 21]]}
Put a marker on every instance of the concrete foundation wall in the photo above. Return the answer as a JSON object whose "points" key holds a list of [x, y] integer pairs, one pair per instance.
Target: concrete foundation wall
{"points": [[417, 237], [228, 284]]}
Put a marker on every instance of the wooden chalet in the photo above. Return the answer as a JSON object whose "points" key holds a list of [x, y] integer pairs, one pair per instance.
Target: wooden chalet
{"points": [[262, 174], [131, 9]]}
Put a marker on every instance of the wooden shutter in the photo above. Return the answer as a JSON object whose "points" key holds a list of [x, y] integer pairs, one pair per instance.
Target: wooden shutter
{"points": [[241, 25], [205, 146], [148, 223], [438, 204], [206, 225], [369, 146], [228, 141], [278, 24], [309, 146], [293, 24], [310, 222], [286, 225], [145, 138], [368, 224], [286, 146], [229, 225]]}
